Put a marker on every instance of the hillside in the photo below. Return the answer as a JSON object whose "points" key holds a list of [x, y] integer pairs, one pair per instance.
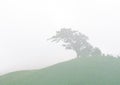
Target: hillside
{"points": [[82, 71]]}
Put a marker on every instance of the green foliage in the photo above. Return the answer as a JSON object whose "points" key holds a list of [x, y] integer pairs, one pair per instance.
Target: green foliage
{"points": [[101, 70]]}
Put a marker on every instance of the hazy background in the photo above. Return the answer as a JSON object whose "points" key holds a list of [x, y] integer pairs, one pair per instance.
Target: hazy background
{"points": [[25, 26]]}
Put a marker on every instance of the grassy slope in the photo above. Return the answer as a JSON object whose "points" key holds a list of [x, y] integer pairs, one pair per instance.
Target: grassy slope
{"points": [[83, 71]]}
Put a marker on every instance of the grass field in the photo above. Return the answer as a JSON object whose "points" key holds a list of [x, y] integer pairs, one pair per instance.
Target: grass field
{"points": [[82, 71]]}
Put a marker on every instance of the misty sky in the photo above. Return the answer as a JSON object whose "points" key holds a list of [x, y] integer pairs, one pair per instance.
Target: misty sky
{"points": [[25, 26]]}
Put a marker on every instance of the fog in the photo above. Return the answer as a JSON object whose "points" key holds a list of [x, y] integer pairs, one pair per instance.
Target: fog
{"points": [[25, 26]]}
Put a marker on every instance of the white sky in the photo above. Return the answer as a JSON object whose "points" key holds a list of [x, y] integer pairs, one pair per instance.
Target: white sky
{"points": [[26, 24]]}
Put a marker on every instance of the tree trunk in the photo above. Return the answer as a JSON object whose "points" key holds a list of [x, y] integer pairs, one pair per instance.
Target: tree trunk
{"points": [[77, 55]]}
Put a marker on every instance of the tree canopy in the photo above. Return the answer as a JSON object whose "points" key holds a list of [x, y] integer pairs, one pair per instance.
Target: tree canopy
{"points": [[76, 41]]}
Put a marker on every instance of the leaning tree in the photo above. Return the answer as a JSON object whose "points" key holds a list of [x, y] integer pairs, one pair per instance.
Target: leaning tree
{"points": [[74, 40]]}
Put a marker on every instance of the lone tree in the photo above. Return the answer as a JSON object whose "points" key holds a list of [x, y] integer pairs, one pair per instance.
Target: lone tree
{"points": [[74, 40]]}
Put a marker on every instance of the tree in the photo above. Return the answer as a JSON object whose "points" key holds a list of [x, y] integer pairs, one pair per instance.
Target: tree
{"points": [[96, 52], [74, 40]]}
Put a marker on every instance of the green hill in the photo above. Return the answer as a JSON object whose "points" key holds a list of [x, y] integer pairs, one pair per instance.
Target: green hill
{"points": [[82, 71]]}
